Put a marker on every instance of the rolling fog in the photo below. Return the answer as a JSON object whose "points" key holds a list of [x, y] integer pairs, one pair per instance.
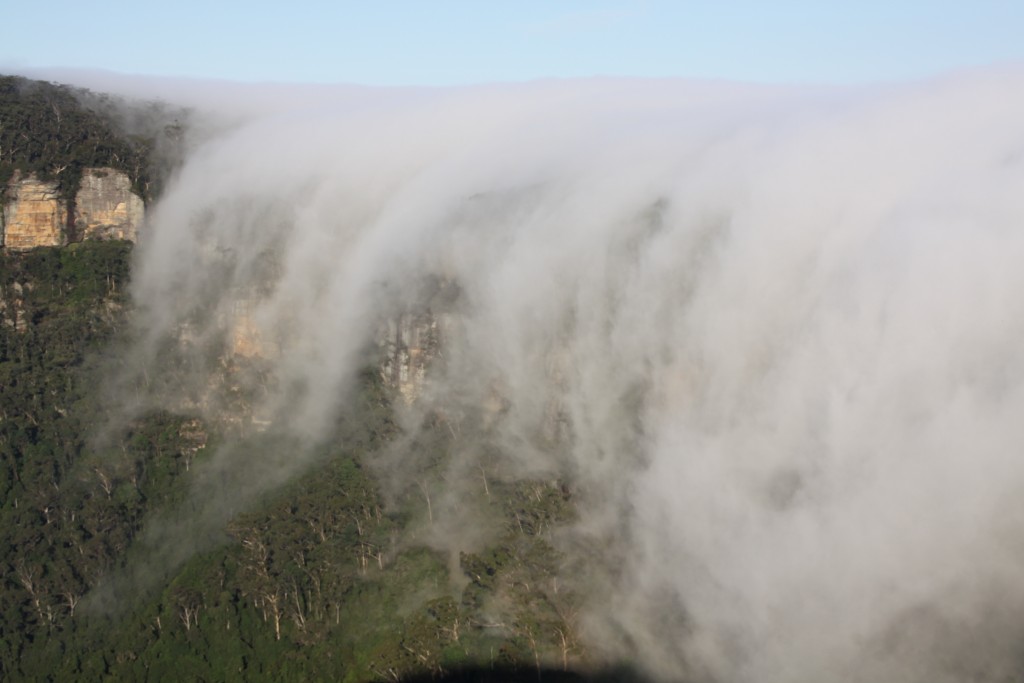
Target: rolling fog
{"points": [[771, 338]]}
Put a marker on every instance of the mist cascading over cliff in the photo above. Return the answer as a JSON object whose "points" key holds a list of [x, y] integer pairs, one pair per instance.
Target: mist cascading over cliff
{"points": [[771, 337]]}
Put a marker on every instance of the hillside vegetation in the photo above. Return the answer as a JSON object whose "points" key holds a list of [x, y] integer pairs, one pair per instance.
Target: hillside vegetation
{"points": [[325, 578], [56, 131]]}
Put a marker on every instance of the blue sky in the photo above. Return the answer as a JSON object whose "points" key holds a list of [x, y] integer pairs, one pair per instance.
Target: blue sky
{"points": [[444, 42]]}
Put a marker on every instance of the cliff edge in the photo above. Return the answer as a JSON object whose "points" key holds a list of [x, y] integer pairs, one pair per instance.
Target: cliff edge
{"points": [[35, 214]]}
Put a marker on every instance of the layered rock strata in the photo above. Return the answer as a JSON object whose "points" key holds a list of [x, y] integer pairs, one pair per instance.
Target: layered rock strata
{"points": [[105, 206], [409, 343], [36, 215], [33, 215]]}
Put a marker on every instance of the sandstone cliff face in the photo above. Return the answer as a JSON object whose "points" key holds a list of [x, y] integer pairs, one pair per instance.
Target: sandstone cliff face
{"points": [[33, 215], [409, 342], [105, 206], [245, 337]]}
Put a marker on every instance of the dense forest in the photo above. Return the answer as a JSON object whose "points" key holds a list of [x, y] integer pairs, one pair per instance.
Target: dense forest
{"points": [[325, 578], [55, 131]]}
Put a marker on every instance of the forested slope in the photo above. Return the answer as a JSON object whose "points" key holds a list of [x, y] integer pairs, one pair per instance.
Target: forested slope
{"points": [[46, 130], [325, 578]]}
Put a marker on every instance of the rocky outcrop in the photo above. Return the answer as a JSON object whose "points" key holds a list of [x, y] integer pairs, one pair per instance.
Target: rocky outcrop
{"points": [[36, 215], [409, 342], [105, 206], [245, 337], [33, 215]]}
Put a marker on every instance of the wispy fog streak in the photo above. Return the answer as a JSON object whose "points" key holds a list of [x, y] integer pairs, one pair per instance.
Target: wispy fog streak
{"points": [[771, 337]]}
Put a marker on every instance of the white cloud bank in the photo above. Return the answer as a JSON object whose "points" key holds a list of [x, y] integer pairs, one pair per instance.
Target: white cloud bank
{"points": [[782, 328]]}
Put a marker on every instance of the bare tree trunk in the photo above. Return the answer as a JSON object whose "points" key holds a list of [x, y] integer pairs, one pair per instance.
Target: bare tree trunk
{"points": [[426, 495]]}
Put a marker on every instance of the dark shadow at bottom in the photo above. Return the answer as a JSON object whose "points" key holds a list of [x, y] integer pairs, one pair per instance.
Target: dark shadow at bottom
{"points": [[523, 674]]}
